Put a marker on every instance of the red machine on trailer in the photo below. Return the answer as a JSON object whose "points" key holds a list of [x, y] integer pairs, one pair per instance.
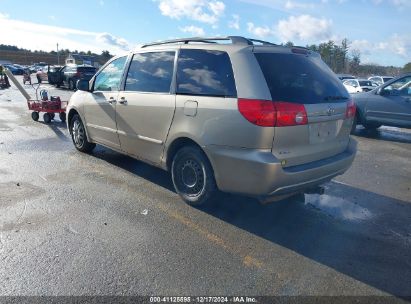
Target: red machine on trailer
{"points": [[43, 104], [49, 106]]}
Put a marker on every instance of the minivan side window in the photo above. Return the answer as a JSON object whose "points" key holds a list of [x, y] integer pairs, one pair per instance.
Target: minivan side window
{"points": [[204, 72], [109, 78], [151, 72]]}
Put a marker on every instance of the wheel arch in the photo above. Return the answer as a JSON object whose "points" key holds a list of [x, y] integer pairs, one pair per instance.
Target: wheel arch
{"points": [[176, 145]]}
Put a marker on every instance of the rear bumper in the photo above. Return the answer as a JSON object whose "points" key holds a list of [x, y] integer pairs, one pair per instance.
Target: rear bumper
{"points": [[259, 172]]}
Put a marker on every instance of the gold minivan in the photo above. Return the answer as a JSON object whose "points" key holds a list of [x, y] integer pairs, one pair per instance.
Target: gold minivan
{"points": [[246, 116]]}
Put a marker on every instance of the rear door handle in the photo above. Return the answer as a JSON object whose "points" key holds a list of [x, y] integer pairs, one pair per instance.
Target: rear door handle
{"points": [[123, 100], [111, 100]]}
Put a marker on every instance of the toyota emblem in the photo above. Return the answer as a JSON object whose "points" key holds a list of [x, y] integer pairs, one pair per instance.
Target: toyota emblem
{"points": [[330, 111]]}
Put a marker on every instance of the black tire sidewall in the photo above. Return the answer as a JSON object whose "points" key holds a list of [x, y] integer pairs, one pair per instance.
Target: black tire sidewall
{"points": [[354, 124], [47, 118], [87, 147], [62, 116], [76, 117], [371, 126], [35, 116], [209, 189], [71, 85]]}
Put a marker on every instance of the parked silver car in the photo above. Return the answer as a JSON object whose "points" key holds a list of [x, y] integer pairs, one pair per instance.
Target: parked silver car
{"points": [[380, 79], [246, 117]]}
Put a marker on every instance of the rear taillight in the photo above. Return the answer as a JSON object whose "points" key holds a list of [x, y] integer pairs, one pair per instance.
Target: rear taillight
{"points": [[290, 114], [266, 113], [259, 112], [351, 108]]}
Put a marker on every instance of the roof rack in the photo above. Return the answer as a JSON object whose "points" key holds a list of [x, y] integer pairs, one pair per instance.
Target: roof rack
{"points": [[234, 40]]}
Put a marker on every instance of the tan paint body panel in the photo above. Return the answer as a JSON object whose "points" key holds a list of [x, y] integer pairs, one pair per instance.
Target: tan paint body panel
{"points": [[100, 118], [143, 123], [245, 158]]}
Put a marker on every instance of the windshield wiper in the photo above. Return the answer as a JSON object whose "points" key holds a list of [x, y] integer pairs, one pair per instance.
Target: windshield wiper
{"points": [[335, 98]]}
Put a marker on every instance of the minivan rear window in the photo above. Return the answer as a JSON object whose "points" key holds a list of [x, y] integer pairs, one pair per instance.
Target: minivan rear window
{"points": [[300, 79]]}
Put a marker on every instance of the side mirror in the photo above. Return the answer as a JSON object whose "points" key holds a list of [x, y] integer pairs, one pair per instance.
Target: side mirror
{"points": [[83, 85]]}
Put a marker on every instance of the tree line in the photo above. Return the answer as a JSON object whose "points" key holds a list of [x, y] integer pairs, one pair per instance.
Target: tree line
{"points": [[102, 57], [344, 60], [339, 57]]}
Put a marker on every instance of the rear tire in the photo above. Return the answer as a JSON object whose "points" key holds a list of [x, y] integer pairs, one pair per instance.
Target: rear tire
{"points": [[371, 126], [354, 124], [62, 116], [193, 177], [79, 135], [72, 85]]}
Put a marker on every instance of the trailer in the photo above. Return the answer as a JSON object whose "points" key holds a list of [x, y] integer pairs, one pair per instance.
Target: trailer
{"points": [[49, 106]]}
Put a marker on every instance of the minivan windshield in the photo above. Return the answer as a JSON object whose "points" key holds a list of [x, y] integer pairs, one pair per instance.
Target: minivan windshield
{"points": [[300, 79]]}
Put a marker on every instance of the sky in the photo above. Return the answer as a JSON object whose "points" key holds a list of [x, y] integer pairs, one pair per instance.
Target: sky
{"points": [[380, 29]]}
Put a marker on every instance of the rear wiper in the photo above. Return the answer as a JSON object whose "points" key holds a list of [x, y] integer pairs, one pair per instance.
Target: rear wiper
{"points": [[335, 98]]}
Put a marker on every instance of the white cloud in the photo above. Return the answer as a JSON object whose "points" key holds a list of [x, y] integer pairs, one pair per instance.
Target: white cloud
{"points": [[259, 31], [364, 46], [36, 36], [217, 7], [396, 44], [298, 5], [198, 10], [113, 40], [194, 30], [395, 48], [235, 22], [304, 27]]}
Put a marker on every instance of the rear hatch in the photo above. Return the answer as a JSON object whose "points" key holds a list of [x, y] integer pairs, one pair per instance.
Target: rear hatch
{"points": [[300, 77]]}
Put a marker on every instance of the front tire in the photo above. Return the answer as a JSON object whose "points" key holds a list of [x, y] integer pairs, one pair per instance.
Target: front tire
{"points": [[193, 177], [72, 85], [35, 116], [79, 136]]}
